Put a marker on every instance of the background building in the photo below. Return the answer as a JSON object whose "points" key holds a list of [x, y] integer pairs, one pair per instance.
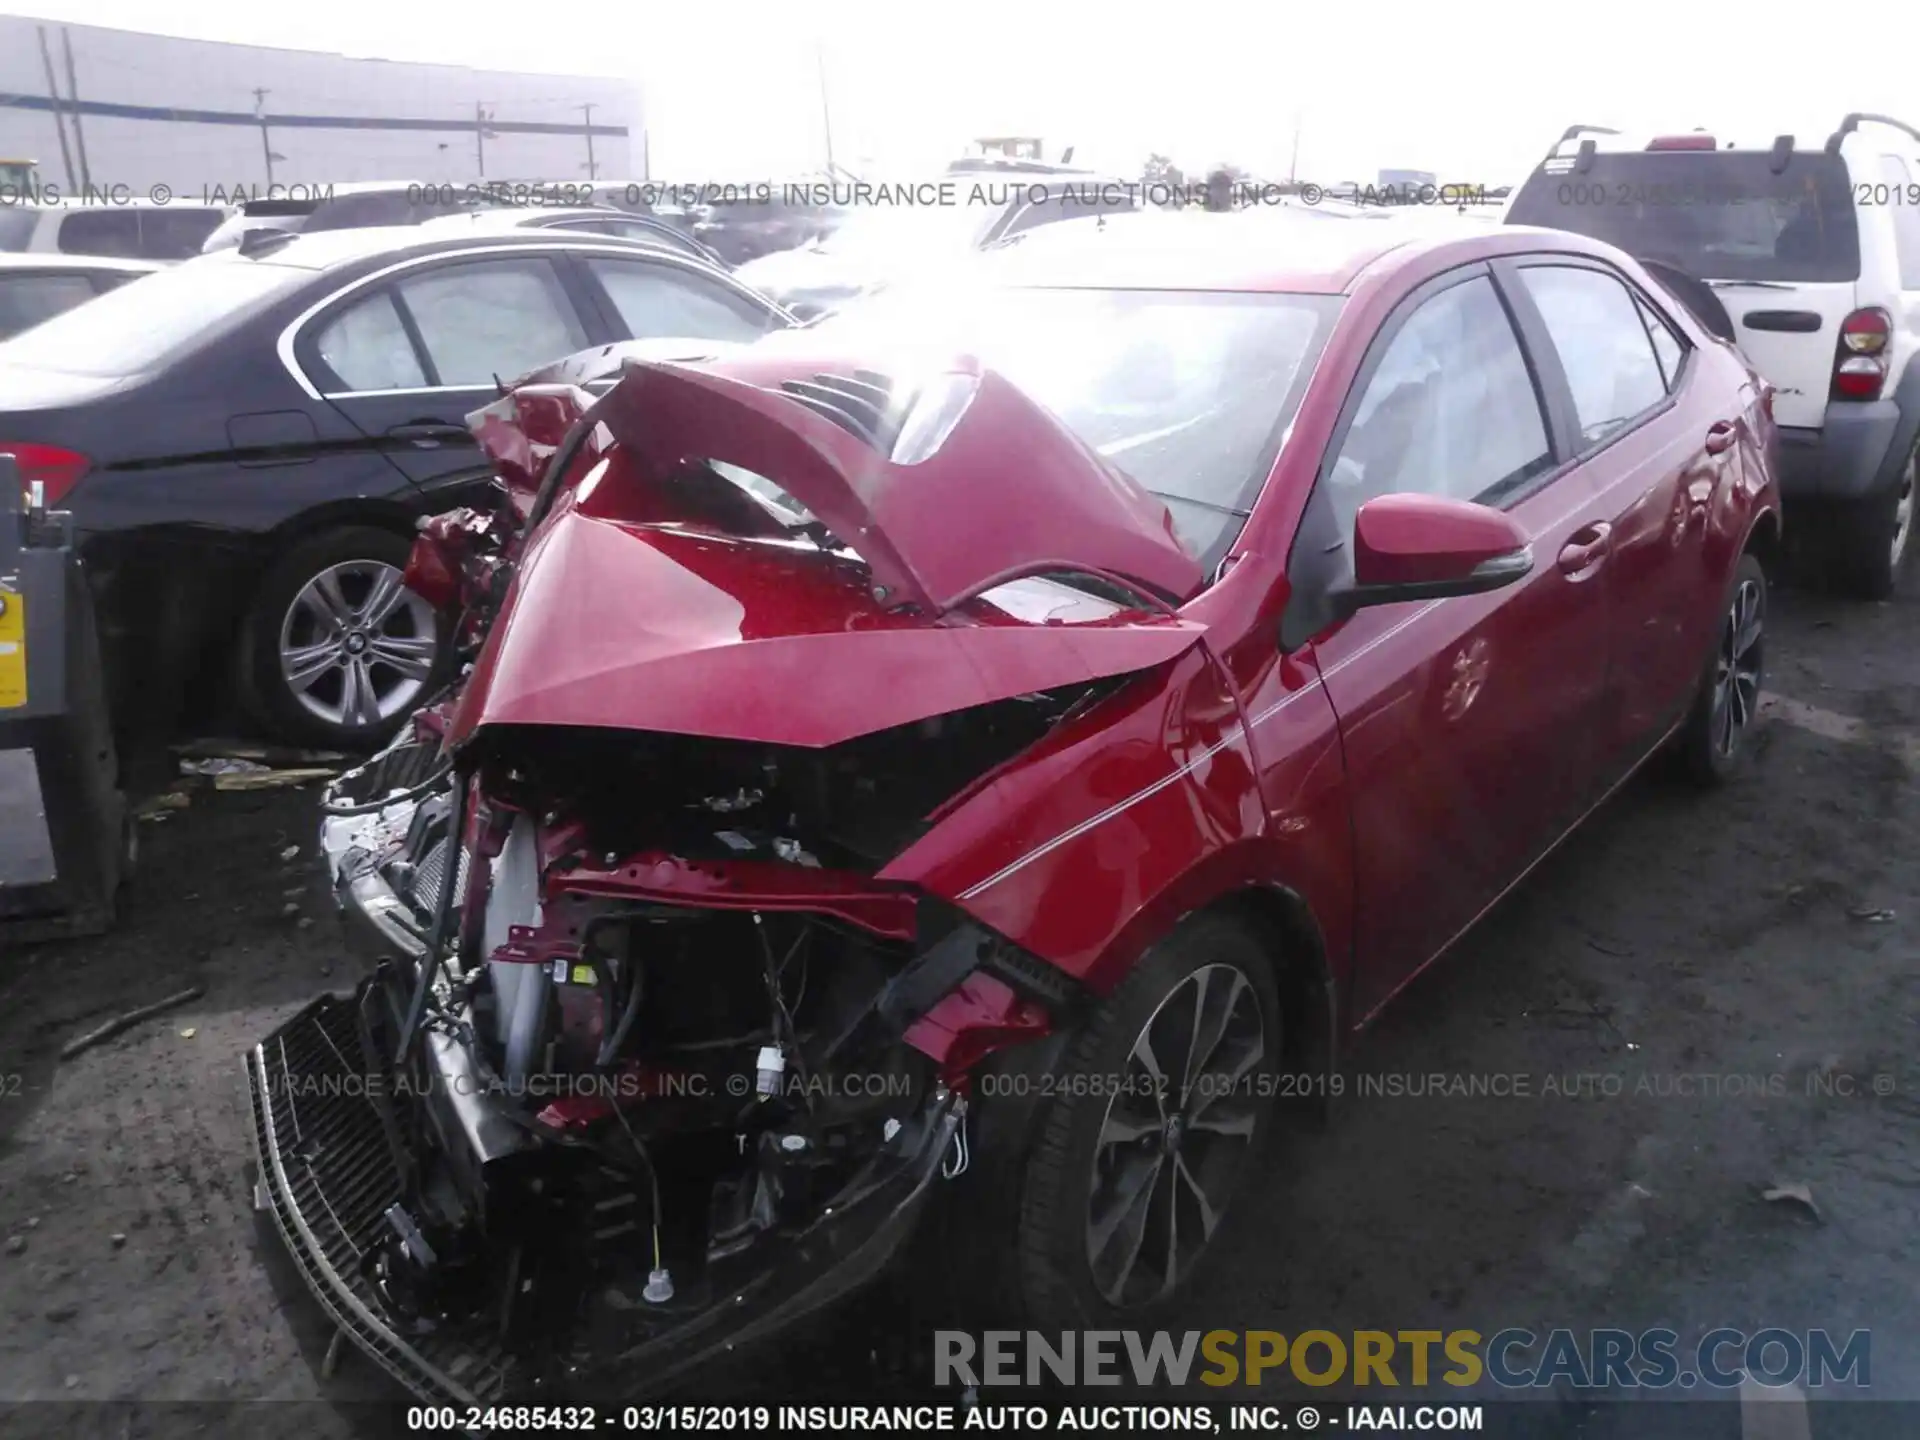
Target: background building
{"points": [[148, 110]]}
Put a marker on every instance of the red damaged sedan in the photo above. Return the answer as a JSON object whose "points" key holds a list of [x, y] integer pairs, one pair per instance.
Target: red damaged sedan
{"points": [[961, 754]]}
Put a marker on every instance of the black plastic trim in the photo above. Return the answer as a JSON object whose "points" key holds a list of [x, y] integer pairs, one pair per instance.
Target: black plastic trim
{"points": [[1788, 322]]}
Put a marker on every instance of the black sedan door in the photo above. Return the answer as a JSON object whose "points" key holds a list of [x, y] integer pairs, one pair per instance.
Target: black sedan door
{"points": [[408, 356]]}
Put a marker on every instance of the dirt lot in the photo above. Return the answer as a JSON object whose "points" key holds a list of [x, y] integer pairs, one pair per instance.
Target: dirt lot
{"points": [[1740, 935]]}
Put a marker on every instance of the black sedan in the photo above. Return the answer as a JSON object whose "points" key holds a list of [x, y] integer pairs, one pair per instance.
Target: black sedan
{"points": [[246, 441], [36, 287]]}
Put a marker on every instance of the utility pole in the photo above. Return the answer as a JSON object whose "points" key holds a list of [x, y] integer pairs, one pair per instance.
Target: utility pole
{"points": [[266, 141], [59, 110], [73, 98], [826, 114], [480, 136], [587, 111], [1293, 165]]}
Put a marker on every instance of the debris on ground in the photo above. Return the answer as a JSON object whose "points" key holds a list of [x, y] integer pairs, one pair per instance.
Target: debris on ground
{"points": [[262, 754], [1795, 1191], [128, 1021], [16, 1244], [224, 765], [158, 807], [1872, 914], [189, 1032], [118, 1239], [330, 1366], [292, 852], [271, 779], [277, 770]]}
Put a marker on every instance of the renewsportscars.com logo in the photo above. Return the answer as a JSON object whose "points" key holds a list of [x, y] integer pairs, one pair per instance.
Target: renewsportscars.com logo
{"points": [[1512, 1359]]}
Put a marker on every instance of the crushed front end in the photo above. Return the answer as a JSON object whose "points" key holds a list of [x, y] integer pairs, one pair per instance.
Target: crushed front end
{"points": [[667, 1107], [661, 1048]]}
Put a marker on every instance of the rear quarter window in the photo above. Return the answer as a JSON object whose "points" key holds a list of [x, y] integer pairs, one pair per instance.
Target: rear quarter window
{"points": [[1717, 215]]}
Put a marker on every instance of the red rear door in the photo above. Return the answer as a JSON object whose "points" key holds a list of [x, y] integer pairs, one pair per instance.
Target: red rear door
{"points": [[1657, 429]]}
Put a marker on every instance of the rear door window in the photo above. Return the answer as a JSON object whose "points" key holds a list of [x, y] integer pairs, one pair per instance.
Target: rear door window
{"points": [[1715, 214], [1603, 345], [491, 318]]}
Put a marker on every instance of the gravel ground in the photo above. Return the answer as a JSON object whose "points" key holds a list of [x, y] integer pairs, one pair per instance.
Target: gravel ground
{"points": [[1676, 936]]}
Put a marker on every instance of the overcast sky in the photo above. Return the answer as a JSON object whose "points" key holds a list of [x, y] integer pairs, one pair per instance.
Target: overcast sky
{"points": [[732, 89]]}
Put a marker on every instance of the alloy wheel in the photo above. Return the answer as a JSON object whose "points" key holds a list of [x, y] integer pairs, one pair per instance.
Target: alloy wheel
{"points": [[1737, 667], [1177, 1129], [357, 646]]}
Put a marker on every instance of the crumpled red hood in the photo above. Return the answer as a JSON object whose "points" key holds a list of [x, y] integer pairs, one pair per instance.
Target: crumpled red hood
{"points": [[1007, 489], [945, 488]]}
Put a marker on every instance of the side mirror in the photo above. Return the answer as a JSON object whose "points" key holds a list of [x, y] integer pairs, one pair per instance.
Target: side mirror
{"points": [[1427, 547]]}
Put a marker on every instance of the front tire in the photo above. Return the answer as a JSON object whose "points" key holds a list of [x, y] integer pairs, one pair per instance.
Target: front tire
{"points": [[335, 651], [1123, 1194], [1714, 738]]}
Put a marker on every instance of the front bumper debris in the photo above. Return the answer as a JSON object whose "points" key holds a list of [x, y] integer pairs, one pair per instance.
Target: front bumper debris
{"points": [[329, 1177]]}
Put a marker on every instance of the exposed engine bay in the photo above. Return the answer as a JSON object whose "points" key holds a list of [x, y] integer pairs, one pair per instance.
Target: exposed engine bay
{"points": [[655, 1056], [669, 1035]]}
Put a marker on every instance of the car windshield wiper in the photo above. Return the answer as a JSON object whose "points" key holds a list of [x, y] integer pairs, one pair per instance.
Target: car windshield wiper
{"points": [[1203, 504], [1750, 285]]}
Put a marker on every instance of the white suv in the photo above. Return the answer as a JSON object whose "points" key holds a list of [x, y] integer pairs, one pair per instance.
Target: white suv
{"points": [[1813, 249]]}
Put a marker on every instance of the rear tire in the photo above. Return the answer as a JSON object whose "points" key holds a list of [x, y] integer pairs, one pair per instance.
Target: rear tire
{"points": [[331, 613], [1124, 1191], [1717, 729], [1873, 538]]}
